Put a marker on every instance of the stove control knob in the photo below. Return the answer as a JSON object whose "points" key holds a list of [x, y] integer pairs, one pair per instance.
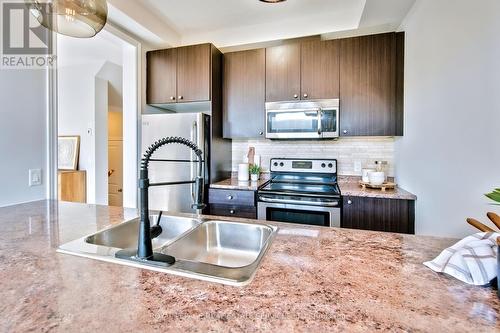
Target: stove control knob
{"points": [[323, 165], [330, 165], [275, 163], [281, 164]]}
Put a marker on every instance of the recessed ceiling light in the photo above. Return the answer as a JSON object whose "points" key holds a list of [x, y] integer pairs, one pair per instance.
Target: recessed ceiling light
{"points": [[272, 1]]}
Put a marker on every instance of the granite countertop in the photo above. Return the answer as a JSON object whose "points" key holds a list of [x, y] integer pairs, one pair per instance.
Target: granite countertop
{"points": [[349, 186], [312, 279], [234, 184]]}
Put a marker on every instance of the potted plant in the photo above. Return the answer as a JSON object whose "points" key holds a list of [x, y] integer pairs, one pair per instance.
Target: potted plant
{"points": [[495, 196], [254, 172]]}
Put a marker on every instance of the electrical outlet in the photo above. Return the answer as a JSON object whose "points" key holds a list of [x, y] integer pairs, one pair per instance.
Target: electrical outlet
{"points": [[35, 177], [357, 166]]}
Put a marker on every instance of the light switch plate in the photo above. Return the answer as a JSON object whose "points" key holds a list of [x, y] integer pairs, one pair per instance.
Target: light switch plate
{"points": [[35, 177], [357, 166]]}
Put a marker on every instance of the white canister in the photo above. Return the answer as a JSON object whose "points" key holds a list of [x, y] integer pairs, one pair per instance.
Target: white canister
{"points": [[377, 177], [365, 174], [243, 172]]}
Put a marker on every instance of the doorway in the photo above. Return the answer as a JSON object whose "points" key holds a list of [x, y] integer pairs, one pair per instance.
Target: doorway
{"points": [[98, 102], [115, 158]]}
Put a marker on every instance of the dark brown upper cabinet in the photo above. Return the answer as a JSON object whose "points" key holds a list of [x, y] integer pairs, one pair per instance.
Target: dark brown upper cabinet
{"points": [[179, 75], [244, 89], [161, 76], [283, 73], [320, 69], [193, 73], [302, 71], [371, 85]]}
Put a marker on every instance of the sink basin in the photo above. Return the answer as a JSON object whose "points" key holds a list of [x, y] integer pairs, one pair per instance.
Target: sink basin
{"points": [[222, 243], [213, 250], [125, 234]]}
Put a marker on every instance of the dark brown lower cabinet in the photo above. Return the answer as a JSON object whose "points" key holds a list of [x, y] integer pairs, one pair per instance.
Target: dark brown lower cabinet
{"points": [[249, 212], [237, 203], [391, 215]]}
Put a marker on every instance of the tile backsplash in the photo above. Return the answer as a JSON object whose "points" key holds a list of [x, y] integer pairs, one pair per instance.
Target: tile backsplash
{"points": [[347, 151]]}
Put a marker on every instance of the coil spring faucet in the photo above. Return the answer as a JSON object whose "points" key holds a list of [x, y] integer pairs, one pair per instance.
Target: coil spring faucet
{"points": [[144, 252]]}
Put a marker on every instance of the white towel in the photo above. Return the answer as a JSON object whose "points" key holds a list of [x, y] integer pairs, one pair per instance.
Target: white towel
{"points": [[472, 260]]}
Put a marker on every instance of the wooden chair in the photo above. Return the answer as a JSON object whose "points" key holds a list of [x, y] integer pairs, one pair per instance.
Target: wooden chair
{"points": [[484, 228]]}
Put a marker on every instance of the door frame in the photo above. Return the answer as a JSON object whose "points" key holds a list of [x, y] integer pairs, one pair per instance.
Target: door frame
{"points": [[135, 57]]}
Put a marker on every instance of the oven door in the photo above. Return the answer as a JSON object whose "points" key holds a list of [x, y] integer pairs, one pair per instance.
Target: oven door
{"points": [[300, 214]]}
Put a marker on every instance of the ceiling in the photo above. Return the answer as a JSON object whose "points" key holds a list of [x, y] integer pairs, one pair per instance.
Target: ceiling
{"points": [[233, 22]]}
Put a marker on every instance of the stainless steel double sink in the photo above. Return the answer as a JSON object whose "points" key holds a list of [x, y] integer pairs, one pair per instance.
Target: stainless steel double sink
{"points": [[214, 250]]}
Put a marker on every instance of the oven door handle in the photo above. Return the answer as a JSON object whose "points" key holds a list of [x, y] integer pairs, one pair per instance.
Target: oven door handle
{"points": [[299, 202]]}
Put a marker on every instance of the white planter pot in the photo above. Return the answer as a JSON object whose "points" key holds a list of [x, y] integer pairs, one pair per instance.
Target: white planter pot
{"points": [[254, 177]]}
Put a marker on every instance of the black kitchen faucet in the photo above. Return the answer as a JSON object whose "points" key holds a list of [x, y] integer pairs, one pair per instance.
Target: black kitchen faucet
{"points": [[144, 252]]}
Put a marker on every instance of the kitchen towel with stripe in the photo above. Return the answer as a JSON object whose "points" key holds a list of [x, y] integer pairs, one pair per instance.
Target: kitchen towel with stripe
{"points": [[472, 260]]}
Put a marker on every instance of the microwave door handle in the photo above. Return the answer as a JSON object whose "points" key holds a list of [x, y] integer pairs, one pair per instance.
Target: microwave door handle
{"points": [[320, 129]]}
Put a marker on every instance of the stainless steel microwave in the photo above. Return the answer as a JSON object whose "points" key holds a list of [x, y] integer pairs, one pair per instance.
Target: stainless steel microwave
{"points": [[315, 119]]}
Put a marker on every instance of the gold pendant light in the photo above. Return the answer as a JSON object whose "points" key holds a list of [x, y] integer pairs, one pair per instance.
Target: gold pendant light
{"points": [[75, 18]]}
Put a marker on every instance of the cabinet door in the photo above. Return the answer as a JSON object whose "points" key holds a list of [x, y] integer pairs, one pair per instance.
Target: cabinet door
{"points": [[193, 73], [392, 215], [368, 86], [161, 76], [244, 94], [283, 73], [320, 69]]}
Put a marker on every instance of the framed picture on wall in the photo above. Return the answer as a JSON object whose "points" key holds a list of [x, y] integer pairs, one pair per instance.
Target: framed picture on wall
{"points": [[68, 152]]}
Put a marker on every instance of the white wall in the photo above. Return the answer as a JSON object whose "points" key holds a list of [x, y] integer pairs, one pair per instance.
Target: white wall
{"points": [[132, 89], [450, 154], [23, 113]]}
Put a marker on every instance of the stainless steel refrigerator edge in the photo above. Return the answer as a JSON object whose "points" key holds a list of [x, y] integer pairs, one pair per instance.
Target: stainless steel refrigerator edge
{"points": [[196, 127]]}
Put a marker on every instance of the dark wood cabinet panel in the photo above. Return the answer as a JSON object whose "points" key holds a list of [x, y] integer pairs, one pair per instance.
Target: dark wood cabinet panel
{"points": [[320, 69], [400, 65], [161, 76], [283, 73], [231, 197], [193, 73], [248, 212], [244, 92], [392, 215], [368, 86], [237, 203]]}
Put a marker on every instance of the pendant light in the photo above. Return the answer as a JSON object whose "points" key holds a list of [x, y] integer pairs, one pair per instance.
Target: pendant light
{"points": [[75, 18]]}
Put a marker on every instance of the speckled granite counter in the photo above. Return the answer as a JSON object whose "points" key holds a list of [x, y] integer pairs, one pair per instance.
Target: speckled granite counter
{"points": [[311, 280], [234, 184], [349, 186]]}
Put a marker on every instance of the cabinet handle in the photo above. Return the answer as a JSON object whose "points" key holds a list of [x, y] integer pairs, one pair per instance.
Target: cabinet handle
{"points": [[181, 97], [261, 133], [229, 197], [231, 211], [295, 96], [349, 202], [344, 131], [172, 98], [305, 95]]}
